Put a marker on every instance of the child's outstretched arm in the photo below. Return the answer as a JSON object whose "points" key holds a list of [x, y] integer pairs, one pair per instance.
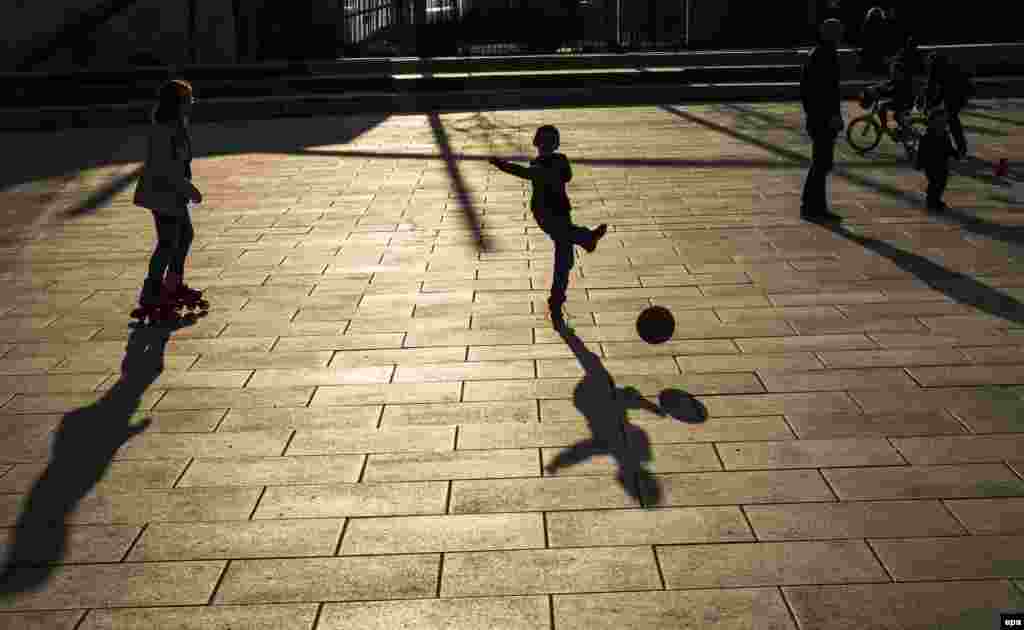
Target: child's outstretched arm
{"points": [[512, 169]]}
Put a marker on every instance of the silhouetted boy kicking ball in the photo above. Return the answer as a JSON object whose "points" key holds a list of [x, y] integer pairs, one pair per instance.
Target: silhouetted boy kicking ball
{"points": [[550, 172]]}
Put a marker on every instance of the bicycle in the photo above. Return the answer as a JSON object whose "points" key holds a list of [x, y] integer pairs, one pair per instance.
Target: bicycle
{"points": [[864, 133]]}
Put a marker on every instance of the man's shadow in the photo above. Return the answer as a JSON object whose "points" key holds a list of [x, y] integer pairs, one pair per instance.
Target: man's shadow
{"points": [[83, 446], [604, 406]]}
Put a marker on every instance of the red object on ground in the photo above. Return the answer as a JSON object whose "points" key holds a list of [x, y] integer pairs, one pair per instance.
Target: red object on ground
{"points": [[1003, 168]]}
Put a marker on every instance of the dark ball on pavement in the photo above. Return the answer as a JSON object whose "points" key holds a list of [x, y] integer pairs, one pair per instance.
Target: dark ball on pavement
{"points": [[655, 324]]}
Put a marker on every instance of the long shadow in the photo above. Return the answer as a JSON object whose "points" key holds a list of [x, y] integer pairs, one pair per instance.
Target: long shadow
{"points": [[608, 162], [44, 157], [82, 448], [70, 34], [867, 182], [458, 182], [604, 406], [973, 111], [975, 168], [961, 287]]}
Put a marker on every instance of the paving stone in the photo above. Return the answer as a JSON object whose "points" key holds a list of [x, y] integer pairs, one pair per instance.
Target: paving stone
{"points": [[84, 544], [448, 533], [960, 449], [731, 488], [119, 476], [101, 585], [768, 564], [990, 516], [338, 579], [352, 499], [533, 494], [467, 413], [186, 421], [819, 426], [45, 620], [387, 394], [748, 362], [183, 445], [256, 360], [924, 482], [256, 617], [236, 398], [657, 527], [891, 358], [245, 471], [965, 557], [882, 519], [809, 453], [914, 606], [300, 418], [994, 354], [143, 506], [457, 465], [745, 609], [237, 539], [549, 571], [669, 348], [946, 376], [322, 343], [774, 404], [806, 343], [331, 441]]}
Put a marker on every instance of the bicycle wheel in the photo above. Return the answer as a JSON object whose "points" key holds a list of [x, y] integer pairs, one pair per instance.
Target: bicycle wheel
{"points": [[863, 134]]}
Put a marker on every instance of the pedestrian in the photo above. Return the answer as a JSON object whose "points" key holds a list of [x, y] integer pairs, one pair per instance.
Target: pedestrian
{"points": [[933, 154], [950, 87], [872, 41], [165, 188], [549, 172], [819, 93]]}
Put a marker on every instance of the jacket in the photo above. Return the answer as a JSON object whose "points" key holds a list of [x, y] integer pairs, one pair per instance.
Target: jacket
{"points": [[165, 185], [819, 86], [934, 149], [952, 87], [549, 175]]}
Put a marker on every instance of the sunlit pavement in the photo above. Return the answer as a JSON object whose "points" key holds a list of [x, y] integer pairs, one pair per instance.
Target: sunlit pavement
{"points": [[355, 436]]}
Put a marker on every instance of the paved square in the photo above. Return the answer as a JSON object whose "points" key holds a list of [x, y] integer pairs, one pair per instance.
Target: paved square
{"points": [[376, 427]]}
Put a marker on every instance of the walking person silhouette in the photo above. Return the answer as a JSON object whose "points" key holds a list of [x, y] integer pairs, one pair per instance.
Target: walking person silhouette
{"points": [[550, 172], [604, 406]]}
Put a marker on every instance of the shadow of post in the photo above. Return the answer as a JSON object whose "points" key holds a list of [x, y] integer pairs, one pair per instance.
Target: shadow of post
{"points": [[83, 445], [458, 182], [604, 406]]}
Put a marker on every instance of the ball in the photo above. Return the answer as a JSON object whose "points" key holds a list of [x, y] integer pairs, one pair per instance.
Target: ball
{"points": [[655, 324]]}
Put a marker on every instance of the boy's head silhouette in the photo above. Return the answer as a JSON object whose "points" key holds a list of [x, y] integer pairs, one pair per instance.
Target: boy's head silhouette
{"points": [[546, 139]]}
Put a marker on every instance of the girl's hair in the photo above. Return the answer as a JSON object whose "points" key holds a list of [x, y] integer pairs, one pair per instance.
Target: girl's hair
{"points": [[551, 131], [171, 95]]}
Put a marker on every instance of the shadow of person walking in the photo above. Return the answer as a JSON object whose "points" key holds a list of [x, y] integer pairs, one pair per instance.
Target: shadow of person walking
{"points": [[604, 406], [83, 446]]}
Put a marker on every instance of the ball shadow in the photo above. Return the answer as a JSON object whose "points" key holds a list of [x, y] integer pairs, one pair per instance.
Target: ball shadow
{"points": [[682, 406]]}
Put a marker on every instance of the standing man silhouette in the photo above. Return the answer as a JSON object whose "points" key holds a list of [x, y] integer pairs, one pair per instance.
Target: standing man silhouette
{"points": [[819, 92]]}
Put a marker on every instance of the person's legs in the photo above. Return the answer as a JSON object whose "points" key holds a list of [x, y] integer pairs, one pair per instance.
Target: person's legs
{"points": [[560, 278], [176, 266], [167, 234], [815, 202], [957, 130], [937, 172]]}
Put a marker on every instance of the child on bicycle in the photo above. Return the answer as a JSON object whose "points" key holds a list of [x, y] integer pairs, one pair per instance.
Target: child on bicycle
{"points": [[165, 188], [933, 155], [899, 94], [549, 172]]}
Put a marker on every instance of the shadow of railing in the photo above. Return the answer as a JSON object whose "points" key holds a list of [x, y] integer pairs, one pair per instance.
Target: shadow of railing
{"points": [[83, 446]]}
